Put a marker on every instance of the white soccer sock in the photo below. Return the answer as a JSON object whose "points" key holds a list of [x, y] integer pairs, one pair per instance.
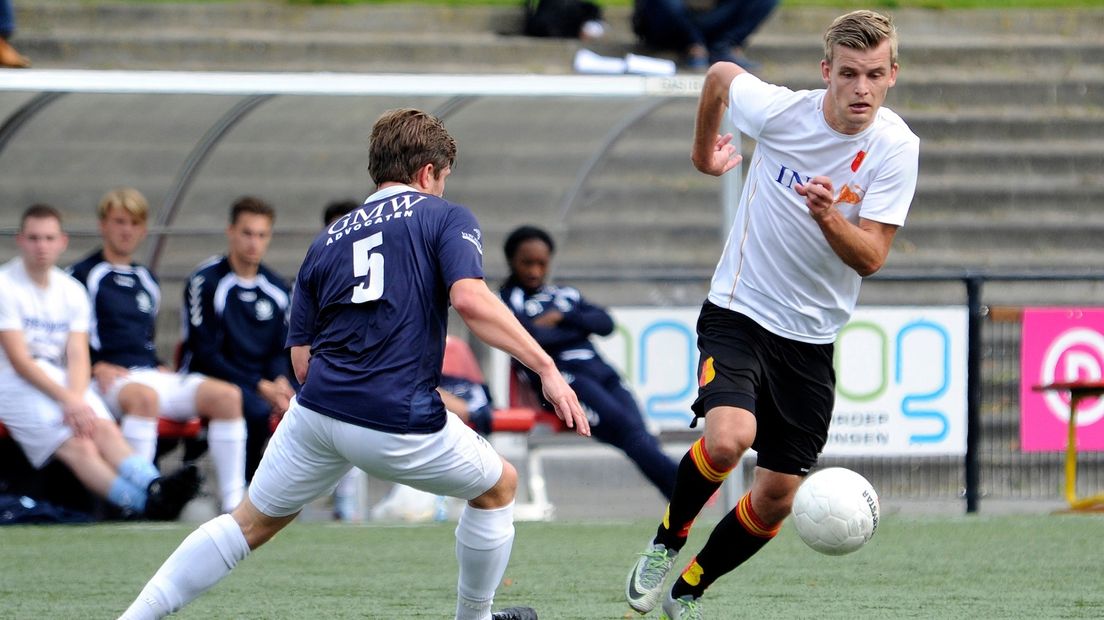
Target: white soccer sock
{"points": [[483, 542], [226, 443], [202, 560], [141, 434]]}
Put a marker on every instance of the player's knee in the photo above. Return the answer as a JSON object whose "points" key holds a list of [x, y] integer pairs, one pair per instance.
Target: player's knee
{"points": [[77, 450], [725, 451], [773, 501], [219, 400], [257, 527], [503, 492], [140, 400]]}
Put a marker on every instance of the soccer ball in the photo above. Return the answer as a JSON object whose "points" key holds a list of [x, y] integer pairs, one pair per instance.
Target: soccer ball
{"points": [[835, 511]]}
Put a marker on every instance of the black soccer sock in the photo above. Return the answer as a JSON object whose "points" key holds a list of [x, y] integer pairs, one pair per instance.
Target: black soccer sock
{"points": [[698, 479], [739, 535]]}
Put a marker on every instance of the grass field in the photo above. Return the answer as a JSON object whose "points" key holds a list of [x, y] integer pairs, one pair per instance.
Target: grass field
{"points": [[932, 567]]}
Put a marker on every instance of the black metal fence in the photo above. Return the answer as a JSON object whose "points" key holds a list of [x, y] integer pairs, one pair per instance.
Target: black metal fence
{"points": [[995, 466]]}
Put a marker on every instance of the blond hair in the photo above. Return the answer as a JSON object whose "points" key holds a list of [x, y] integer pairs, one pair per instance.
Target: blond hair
{"points": [[861, 30], [126, 198]]}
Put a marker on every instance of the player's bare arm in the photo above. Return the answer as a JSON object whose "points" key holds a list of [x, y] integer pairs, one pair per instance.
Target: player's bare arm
{"points": [[78, 415], [492, 322], [713, 153], [863, 247], [300, 361]]}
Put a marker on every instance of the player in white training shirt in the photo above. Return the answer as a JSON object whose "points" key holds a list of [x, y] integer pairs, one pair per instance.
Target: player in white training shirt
{"points": [[44, 380], [829, 183]]}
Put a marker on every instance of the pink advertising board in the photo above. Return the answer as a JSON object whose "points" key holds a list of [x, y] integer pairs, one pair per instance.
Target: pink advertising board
{"points": [[1060, 345]]}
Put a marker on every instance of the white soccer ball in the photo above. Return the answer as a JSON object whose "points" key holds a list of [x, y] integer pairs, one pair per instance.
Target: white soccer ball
{"points": [[835, 511]]}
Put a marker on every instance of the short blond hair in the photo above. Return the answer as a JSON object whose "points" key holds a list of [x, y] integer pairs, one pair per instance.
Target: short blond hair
{"points": [[861, 30], [126, 198]]}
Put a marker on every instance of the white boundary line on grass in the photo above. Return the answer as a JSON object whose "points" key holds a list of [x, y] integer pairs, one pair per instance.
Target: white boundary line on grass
{"points": [[235, 83]]}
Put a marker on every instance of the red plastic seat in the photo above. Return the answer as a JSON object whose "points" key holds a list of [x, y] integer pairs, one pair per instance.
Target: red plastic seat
{"points": [[459, 361], [172, 429]]}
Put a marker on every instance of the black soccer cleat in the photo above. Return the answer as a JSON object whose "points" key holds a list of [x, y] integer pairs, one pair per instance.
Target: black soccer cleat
{"points": [[168, 495], [515, 613]]}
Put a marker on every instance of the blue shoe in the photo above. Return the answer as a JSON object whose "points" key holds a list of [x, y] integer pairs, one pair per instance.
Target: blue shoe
{"points": [[697, 63], [697, 58]]}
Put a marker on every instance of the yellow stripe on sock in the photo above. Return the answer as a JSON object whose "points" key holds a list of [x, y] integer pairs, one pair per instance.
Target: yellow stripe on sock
{"points": [[701, 460], [751, 521], [693, 573]]}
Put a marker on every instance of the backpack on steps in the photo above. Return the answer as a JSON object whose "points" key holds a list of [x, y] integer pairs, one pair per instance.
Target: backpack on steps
{"points": [[559, 18]]}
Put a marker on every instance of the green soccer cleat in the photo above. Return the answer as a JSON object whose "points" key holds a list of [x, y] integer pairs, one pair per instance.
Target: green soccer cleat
{"points": [[645, 582], [683, 608]]}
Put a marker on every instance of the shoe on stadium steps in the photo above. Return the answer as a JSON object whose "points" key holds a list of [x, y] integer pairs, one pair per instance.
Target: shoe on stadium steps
{"points": [[515, 613], [645, 582], [168, 495], [684, 608]]}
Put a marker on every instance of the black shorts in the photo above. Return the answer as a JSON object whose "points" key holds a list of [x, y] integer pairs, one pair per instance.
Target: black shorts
{"points": [[789, 385]]}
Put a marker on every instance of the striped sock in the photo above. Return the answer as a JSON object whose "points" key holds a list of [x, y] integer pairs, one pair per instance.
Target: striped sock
{"points": [[739, 535], [698, 479]]}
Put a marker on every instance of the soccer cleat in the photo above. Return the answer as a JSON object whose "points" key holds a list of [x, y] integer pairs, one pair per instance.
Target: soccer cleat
{"points": [[515, 613], [645, 582], [168, 495], [683, 608]]}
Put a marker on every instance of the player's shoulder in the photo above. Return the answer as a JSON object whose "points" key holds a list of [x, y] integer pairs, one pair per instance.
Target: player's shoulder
{"points": [[273, 276], [211, 268], [83, 267], [893, 126], [8, 271], [67, 282]]}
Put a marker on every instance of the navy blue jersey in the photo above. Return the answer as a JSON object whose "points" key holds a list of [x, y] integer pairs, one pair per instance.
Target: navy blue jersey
{"points": [[234, 328], [125, 300], [568, 340], [372, 300]]}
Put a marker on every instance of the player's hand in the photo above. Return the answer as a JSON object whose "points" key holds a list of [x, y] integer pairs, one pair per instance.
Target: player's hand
{"points": [[565, 402], [78, 415], [106, 374], [819, 196], [551, 318], [277, 393], [724, 157]]}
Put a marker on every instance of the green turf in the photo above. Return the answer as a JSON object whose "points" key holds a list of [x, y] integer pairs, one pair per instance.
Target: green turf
{"points": [[949, 567]]}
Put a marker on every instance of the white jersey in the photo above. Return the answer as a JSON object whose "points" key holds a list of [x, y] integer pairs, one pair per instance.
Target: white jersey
{"points": [[46, 316], [777, 267]]}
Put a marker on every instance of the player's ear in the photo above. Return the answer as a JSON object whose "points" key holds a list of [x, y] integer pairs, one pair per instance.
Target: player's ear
{"points": [[425, 175]]}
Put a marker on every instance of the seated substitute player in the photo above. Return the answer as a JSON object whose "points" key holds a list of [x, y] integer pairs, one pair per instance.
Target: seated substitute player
{"points": [[562, 321], [137, 388], [367, 336], [235, 323], [49, 407], [830, 182]]}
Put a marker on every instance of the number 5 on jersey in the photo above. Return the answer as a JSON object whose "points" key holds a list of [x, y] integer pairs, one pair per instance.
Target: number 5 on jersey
{"points": [[369, 265]]}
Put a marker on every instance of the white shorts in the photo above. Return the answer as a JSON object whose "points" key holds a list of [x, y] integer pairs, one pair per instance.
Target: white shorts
{"points": [[176, 392], [34, 419], [310, 452]]}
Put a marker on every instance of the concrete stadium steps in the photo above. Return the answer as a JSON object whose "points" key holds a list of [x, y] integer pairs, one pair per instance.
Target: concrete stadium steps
{"points": [[267, 35], [1030, 123]]}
